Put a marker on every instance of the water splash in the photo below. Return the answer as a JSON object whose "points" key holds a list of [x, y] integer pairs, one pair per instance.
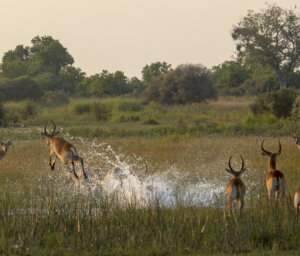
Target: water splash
{"points": [[123, 177]]}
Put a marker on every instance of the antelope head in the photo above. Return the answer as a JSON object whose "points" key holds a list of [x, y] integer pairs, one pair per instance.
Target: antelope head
{"points": [[236, 174], [4, 147], [49, 135], [272, 156]]}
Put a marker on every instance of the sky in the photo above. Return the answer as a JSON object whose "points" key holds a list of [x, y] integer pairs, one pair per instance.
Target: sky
{"points": [[126, 35]]}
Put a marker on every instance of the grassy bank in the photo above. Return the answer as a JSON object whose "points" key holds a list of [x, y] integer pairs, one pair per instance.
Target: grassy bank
{"points": [[128, 118]]}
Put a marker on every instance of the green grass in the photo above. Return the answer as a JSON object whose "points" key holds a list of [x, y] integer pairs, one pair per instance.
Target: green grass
{"points": [[127, 118], [41, 215]]}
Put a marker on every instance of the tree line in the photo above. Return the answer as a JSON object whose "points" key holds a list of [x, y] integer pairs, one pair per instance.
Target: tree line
{"points": [[268, 55]]}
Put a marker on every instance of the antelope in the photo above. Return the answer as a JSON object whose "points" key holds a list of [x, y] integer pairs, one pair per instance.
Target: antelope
{"points": [[235, 189], [297, 200], [275, 180], [62, 149], [4, 148]]}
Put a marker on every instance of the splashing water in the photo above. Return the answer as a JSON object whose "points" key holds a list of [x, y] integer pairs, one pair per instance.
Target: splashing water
{"points": [[115, 176]]}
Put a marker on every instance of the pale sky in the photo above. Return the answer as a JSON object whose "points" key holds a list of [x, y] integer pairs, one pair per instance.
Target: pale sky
{"points": [[126, 35]]}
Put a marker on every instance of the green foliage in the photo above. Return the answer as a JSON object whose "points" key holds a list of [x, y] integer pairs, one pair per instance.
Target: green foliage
{"points": [[186, 84], [228, 76], [103, 84], [100, 111], [80, 108], [19, 88], [280, 103], [155, 70], [48, 55], [270, 37], [262, 80], [70, 78], [151, 121], [135, 86], [19, 112], [48, 81], [129, 105], [54, 98]]}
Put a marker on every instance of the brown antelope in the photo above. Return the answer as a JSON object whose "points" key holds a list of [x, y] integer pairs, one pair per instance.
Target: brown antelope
{"points": [[235, 189], [275, 179], [4, 147], [62, 149]]}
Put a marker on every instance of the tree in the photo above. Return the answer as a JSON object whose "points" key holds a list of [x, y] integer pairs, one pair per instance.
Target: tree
{"points": [[154, 70], [48, 55], [229, 76], [15, 62], [187, 83], [271, 37], [70, 77], [107, 84], [135, 86]]}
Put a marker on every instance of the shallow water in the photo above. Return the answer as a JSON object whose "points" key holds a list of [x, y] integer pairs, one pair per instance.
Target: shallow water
{"points": [[126, 178]]}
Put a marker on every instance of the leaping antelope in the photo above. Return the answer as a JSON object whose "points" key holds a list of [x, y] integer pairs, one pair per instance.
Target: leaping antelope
{"points": [[62, 149], [235, 189], [4, 147], [275, 179]]}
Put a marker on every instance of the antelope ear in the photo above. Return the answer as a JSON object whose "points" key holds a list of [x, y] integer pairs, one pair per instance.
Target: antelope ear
{"points": [[56, 133], [294, 136], [242, 171], [230, 171]]}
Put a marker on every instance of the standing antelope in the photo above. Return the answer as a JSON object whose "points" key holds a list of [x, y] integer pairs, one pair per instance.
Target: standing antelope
{"points": [[4, 148], [235, 189], [62, 149], [275, 179]]}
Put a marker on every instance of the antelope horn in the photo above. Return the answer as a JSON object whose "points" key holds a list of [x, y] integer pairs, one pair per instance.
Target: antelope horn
{"points": [[230, 170], [279, 150], [45, 131], [263, 150], [230, 164], [54, 128], [243, 163]]}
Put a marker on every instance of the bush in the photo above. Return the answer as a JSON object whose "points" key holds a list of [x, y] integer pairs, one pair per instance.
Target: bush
{"points": [[17, 112], [280, 103], [101, 111], [55, 98], [186, 84], [151, 121], [80, 108], [129, 105]]}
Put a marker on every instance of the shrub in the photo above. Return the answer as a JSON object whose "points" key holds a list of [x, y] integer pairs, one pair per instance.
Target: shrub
{"points": [[55, 98], [101, 111], [280, 103], [80, 108], [21, 111], [151, 121], [187, 83], [129, 105]]}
